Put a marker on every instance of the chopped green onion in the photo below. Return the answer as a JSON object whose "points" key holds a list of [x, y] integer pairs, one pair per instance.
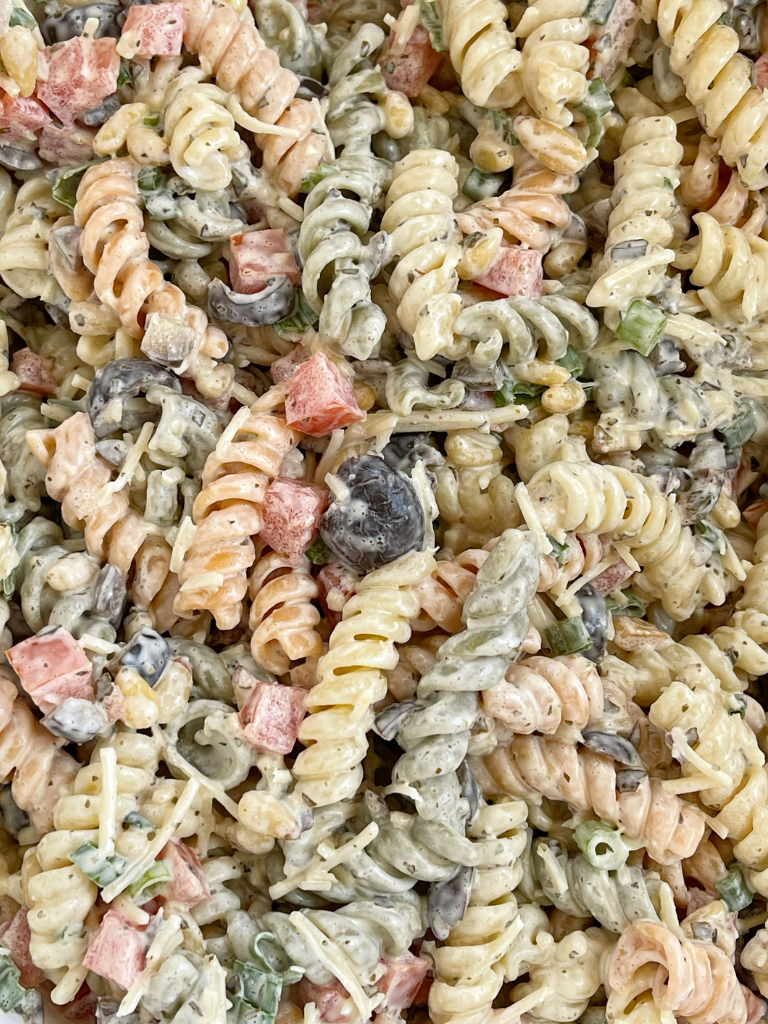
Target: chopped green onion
{"points": [[316, 176], [152, 120], [96, 865], [568, 637], [480, 185], [571, 362], [299, 320], [124, 77], [150, 179], [21, 16], [733, 889], [740, 429], [319, 553], [598, 11], [9, 584], [14, 998], [259, 984], [151, 881], [502, 123], [601, 845], [668, 183], [738, 705], [709, 533], [138, 821], [433, 23], [635, 606], [641, 326], [519, 392], [560, 552], [595, 104], [67, 183]]}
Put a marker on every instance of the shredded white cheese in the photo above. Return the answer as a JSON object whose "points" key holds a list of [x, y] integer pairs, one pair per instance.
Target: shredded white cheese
{"points": [[316, 876], [532, 520], [184, 536], [97, 645], [168, 937], [709, 776], [334, 960], [172, 757], [205, 581], [164, 834], [129, 467], [108, 801]]}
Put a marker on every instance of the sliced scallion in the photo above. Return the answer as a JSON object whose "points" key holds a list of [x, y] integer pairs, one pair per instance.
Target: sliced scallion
{"points": [[733, 889], [21, 16], [601, 845], [560, 552], [101, 869], [571, 362], [519, 392], [300, 319], [635, 606], [151, 881], [568, 637], [319, 553], [740, 429], [316, 176], [433, 23], [641, 326], [480, 185], [596, 103]]}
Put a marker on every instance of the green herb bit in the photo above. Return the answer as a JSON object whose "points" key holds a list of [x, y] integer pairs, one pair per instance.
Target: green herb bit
{"points": [[319, 553], [568, 637], [733, 889], [14, 998], [299, 320], [101, 869], [740, 429], [595, 104], [519, 392], [124, 76], [152, 120], [601, 845], [710, 534], [571, 362], [316, 176], [433, 23], [259, 984], [68, 182], [150, 179], [480, 185], [503, 124], [738, 705], [560, 552], [634, 606], [21, 16], [641, 326], [138, 821], [151, 881]]}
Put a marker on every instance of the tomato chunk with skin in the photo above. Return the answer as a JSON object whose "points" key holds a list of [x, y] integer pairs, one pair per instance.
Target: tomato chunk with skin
{"points": [[291, 514], [22, 114], [338, 584], [118, 952], [15, 936], [334, 1004], [611, 579], [257, 256], [319, 398], [514, 271], [81, 74], [402, 979], [271, 717], [410, 70], [189, 886], [154, 30], [284, 367], [35, 372], [52, 666]]}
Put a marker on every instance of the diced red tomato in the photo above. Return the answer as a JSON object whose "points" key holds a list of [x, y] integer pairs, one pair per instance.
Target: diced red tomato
{"points": [[402, 979], [52, 667], [291, 514], [337, 585], [81, 74], [754, 513], [283, 367], [271, 717], [410, 70], [514, 271], [257, 256], [618, 31], [15, 936], [22, 114], [155, 30], [35, 372], [761, 68], [611, 579], [189, 885], [334, 1004], [118, 952], [319, 398], [66, 145]]}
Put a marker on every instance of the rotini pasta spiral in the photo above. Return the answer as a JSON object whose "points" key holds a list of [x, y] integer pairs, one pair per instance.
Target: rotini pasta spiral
{"points": [[262, 94], [483, 51], [24, 482], [694, 979], [40, 772], [201, 135], [423, 238], [643, 220], [24, 260], [213, 915], [282, 615], [115, 249], [442, 594], [728, 265], [226, 511], [532, 767], [351, 679]]}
